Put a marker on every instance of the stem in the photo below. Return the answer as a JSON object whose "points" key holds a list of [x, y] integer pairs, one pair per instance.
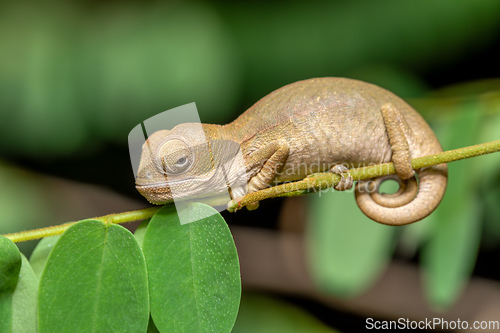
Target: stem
{"points": [[314, 182], [134, 215], [321, 181]]}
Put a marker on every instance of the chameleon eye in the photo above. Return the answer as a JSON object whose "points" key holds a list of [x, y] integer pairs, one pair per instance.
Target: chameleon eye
{"points": [[181, 162], [174, 156]]}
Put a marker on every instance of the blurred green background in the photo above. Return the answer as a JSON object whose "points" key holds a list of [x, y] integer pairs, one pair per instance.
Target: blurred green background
{"points": [[77, 76]]}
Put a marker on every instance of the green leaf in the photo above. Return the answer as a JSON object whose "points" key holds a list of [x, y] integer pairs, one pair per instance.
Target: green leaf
{"points": [[95, 280], [262, 314], [141, 231], [487, 166], [10, 266], [193, 269], [488, 169], [40, 254], [24, 300], [347, 250], [491, 198], [451, 250]]}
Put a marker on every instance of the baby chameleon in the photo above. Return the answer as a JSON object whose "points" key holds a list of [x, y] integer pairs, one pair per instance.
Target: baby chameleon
{"points": [[309, 126]]}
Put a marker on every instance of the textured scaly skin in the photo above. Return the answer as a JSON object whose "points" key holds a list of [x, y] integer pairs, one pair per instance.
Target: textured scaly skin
{"points": [[310, 126]]}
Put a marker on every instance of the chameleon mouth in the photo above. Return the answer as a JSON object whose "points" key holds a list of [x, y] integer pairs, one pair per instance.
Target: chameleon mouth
{"points": [[156, 194], [160, 195]]}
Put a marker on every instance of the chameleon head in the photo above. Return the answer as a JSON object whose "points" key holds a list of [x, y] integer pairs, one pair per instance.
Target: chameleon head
{"points": [[183, 163]]}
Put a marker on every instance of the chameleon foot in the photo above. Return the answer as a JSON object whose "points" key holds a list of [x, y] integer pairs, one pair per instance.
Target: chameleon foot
{"points": [[345, 182]]}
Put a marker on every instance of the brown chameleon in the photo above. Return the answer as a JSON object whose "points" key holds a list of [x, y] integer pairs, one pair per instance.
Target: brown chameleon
{"points": [[310, 126]]}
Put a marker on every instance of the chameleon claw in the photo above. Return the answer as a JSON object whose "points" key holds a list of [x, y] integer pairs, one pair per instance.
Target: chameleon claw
{"points": [[345, 182]]}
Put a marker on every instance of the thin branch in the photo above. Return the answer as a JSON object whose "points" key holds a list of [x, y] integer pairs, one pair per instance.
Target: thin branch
{"points": [[314, 182], [321, 181], [134, 215]]}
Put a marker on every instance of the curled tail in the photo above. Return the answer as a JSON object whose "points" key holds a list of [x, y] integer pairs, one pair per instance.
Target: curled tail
{"points": [[410, 203]]}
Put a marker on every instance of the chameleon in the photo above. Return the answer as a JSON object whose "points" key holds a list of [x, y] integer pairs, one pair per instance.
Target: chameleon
{"points": [[310, 126]]}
